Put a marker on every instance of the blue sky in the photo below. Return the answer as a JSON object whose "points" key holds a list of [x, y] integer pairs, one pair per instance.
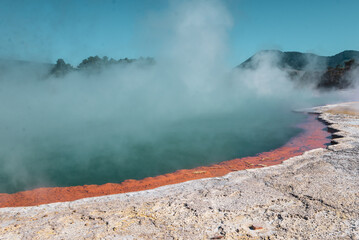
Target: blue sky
{"points": [[44, 30]]}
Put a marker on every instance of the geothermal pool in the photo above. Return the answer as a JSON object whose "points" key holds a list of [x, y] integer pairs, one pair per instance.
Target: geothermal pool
{"points": [[100, 153]]}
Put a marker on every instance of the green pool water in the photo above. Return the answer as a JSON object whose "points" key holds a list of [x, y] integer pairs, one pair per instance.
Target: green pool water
{"points": [[103, 152]]}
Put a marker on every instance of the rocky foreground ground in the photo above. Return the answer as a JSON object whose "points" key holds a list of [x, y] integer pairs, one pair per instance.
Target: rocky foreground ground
{"points": [[313, 196]]}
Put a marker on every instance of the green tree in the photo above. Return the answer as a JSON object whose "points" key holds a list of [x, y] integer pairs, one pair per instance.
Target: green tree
{"points": [[61, 68]]}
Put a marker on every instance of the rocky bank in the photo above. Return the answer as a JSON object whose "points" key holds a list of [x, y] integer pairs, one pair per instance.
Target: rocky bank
{"points": [[312, 196]]}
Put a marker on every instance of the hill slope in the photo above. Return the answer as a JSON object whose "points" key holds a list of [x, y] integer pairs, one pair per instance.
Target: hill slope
{"points": [[301, 61], [322, 72]]}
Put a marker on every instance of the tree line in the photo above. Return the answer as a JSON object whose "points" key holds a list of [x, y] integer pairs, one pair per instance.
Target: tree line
{"points": [[94, 64]]}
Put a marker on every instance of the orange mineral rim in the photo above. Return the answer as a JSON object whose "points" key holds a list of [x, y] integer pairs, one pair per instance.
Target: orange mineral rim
{"points": [[314, 136]]}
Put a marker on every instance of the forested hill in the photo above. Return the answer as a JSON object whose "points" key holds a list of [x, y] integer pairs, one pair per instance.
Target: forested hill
{"points": [[90, 65], [95, 64], [301, 61], [322, 72]]}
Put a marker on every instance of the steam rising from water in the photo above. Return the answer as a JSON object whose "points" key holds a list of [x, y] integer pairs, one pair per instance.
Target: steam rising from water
{"points": [[189, 109]]}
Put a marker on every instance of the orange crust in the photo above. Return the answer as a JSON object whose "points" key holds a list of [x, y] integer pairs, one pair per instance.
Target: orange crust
{"points": [[314, 136]]}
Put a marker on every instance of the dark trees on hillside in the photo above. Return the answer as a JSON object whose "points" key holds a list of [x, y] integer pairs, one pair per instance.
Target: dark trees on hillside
{"points": [[61, 68], [337, 77], [91, 62], [95, 64]]}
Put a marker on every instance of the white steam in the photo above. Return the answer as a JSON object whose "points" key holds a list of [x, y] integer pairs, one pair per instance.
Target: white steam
{"points": [[126, 105]]}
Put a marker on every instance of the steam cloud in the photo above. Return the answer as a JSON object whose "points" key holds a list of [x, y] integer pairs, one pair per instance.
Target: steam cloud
{"points": [[89, 121]]}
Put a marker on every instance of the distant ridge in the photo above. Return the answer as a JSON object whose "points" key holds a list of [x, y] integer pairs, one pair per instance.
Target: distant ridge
{"points": [[300, 61], [24, 63], [91, 65], [305, 69]]}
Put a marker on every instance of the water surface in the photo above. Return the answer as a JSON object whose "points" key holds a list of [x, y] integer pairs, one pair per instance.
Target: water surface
{"points": [[99, 153]]}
